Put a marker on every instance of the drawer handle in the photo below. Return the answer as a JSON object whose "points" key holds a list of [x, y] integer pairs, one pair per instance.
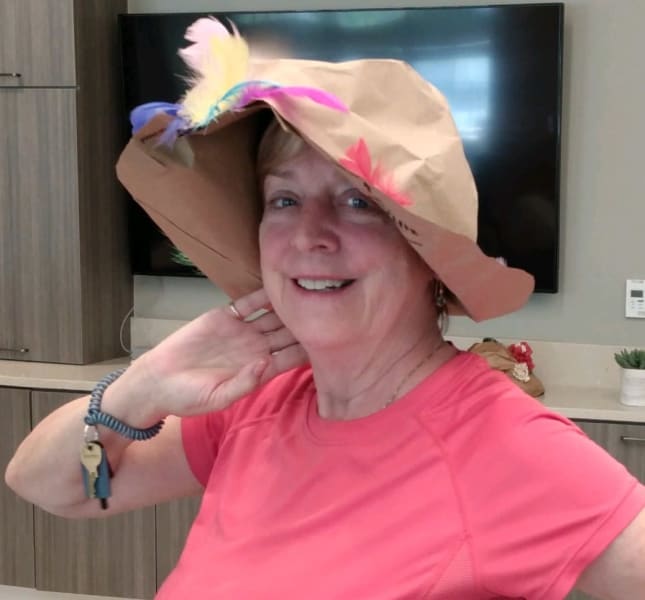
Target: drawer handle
{"points": [[21, 350], [636, 440], [14, 75]]}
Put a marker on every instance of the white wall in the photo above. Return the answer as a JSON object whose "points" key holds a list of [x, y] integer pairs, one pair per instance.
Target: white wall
{"points": [[602, 204]]}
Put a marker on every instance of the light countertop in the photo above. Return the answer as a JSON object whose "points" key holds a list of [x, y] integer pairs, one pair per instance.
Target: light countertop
{"points": [[574, 402], [18, 593], [595, 404], [52, 376]]}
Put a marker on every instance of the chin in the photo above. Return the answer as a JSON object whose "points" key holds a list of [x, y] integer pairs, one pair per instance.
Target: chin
{"points": [[319, 334]]}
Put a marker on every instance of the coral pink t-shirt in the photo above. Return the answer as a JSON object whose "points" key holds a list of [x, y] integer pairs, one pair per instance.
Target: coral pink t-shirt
{"points": [[464, 489]]}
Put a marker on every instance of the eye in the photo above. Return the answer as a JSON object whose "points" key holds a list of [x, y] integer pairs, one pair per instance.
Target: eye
{"points": [[281, 201], [355, 201], [354, 198], [360, 206]]}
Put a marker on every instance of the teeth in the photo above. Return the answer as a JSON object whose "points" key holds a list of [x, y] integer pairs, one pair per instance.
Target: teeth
{"points": [[321, 284]]}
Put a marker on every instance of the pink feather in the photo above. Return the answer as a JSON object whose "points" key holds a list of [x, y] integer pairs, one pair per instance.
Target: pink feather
{"points": [[358, 160], [199, 33], [204, 28], [259, 92]]}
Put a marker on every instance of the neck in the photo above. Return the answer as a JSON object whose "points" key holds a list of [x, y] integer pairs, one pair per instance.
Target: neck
{"points": [[358, 381]]}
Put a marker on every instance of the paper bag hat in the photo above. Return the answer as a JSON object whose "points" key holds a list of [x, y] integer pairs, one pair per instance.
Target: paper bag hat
{"points": [[192, 165]]}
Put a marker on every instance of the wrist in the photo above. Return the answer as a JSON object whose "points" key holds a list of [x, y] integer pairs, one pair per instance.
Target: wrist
{"points": [[119, 405]]}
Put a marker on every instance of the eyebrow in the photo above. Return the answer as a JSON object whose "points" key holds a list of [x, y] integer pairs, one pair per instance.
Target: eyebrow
{"points": [[281, 173]]}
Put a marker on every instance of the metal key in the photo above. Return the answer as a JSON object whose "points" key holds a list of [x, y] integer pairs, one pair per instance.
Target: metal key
{"points": [[91, 456]]}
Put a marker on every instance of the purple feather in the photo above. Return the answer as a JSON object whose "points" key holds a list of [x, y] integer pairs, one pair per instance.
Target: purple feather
{"points": [[143, 113], [259, 92], [172, 132]]}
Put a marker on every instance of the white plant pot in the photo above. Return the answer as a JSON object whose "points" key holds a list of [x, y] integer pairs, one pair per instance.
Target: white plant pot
{"points": [[632, 389]]}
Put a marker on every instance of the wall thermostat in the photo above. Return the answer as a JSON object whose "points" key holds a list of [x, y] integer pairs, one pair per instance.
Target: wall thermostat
{"points": [[635, 299]]}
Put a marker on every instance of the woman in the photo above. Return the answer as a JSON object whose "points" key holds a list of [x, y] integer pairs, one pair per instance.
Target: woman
{"points": [[343, 449]]}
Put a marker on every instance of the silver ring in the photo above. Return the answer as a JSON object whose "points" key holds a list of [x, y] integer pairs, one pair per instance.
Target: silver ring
{"points": [[236, 313]]}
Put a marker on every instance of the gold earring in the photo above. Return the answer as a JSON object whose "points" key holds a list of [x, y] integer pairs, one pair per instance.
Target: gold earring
{"points": [[439, 295], [440, 303]]}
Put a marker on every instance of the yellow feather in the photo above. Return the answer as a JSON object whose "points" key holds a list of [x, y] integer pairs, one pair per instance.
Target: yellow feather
{"points": [[224, 65]]}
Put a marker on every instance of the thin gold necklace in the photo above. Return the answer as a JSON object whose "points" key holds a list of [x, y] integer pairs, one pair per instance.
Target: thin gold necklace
{"points": [[414, 369]]}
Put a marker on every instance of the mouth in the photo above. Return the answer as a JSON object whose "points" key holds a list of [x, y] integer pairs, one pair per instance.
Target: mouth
{"points": [[322, 285]]}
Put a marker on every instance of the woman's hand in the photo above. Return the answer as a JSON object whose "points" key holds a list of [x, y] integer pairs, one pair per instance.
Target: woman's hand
{"points": [[206, 365]]}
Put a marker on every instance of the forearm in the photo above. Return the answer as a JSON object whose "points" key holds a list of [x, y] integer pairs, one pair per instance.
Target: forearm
{"points": [[45, 469]]}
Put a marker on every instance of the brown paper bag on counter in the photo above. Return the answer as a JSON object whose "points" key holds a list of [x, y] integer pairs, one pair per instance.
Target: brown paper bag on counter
{"points": [[499, 358]]}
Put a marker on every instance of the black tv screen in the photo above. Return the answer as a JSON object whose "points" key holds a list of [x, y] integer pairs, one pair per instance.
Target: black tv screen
{"points": [[499, 66]]}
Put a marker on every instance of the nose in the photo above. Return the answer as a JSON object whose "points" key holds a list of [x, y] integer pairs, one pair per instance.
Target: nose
{"points": [[315, 229]]}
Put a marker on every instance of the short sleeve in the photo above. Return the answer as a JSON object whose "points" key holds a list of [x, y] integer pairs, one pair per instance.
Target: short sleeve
{"points": [[201, 436], [549, 502]]}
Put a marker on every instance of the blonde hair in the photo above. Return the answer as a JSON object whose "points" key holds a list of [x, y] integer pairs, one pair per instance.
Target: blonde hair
{"points": [[276, 147]]}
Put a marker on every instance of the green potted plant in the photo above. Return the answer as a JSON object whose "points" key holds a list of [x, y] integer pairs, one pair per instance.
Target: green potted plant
{"points": [[632, 363]]}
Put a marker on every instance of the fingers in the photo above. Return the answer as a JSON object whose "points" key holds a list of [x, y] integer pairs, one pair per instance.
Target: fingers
{"points": [[289, 358], [280, 339], [245, 306], [259, 372], [267, 322], [247, 379], [236, 313]]}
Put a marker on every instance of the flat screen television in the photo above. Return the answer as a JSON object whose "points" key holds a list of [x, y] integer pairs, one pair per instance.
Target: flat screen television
{"points": [[499, 66]]}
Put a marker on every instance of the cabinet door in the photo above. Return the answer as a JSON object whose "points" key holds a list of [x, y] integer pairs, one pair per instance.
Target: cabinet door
{"points": [[16, 515], [173, 523], [37, 43], [105, 557], [40, 277]]}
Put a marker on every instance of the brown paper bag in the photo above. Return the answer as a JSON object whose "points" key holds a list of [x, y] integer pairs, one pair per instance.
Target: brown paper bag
{"points": [[203, 191], [499, 357]]}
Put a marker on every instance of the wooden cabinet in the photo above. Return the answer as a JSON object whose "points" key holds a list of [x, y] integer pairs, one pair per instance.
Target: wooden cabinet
{"points": [[37, 43], [40, 273], [127, 555], [624, 441], [65, 280], [173, 524], [16, 515], [115, 556], [105, 557]]}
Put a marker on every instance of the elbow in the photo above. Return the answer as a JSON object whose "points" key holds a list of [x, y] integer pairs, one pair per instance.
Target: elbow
{"points": [[16, 481], [12, 477]]}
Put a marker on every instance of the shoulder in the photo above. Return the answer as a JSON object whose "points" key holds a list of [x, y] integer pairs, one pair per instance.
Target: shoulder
{"points": [[468, 392], [203, 434], [264, 403], [491, 431], [540, 498], [273, 397]]}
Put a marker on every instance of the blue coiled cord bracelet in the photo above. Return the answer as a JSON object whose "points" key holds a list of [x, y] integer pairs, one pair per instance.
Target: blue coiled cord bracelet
{"points": [[95, 416]]}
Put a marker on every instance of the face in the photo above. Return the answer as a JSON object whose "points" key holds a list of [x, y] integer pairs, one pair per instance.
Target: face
{"points": [[336, 269]]}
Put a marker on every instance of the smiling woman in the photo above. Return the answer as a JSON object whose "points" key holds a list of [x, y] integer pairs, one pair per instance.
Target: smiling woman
{"points": [[342, 447]]}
